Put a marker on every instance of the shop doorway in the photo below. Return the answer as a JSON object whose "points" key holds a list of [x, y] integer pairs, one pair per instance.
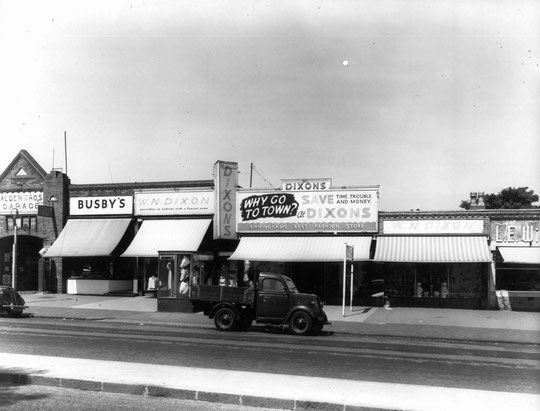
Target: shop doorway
{"points": [[27, 261]]}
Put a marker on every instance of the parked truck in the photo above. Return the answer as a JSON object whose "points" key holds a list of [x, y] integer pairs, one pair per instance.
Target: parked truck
{"points": [[273, 299]]}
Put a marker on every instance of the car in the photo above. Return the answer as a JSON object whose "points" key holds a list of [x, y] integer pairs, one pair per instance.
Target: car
{"points": [[11, 301]]}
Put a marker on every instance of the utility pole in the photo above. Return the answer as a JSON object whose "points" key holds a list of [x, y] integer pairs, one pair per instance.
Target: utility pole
{"points": [[251, 175]]}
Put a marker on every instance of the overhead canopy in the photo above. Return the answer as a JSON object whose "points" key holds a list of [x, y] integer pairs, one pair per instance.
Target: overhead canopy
{"points": [[167, 235], [89, 238], [457, 249], [520, 255], [292, 249]]}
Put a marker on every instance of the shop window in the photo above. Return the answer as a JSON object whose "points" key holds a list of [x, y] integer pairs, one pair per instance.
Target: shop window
{"points": [[167, 278], [466, 280], [24, 222], [9, 223], [431, 281], [518, 279]]}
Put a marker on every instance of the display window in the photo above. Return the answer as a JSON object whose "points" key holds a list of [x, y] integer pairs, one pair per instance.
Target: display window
{"points": [[518, 277], [425, 280], [178, 272]]}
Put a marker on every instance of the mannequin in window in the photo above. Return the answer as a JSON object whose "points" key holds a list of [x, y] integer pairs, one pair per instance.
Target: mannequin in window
{"points": [[184, 276], [170, 274], [152, 282]]}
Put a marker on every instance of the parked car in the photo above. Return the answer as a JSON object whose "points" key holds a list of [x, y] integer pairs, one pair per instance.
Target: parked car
{"points": [[11, 301], [273, 300]]}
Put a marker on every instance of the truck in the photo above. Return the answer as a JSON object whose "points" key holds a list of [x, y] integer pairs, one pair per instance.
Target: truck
{"points": [[273, 299]]}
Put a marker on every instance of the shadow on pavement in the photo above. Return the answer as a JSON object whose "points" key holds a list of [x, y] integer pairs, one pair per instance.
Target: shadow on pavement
{"points": [[10, 380]]}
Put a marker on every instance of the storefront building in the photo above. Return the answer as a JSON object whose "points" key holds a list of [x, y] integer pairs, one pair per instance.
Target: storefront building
{"points": [[134, 238], [32, 204], [145, 237], [433, 259], [445, 259], [515, 243], [480, 259], [109, 238], [302, 231]]}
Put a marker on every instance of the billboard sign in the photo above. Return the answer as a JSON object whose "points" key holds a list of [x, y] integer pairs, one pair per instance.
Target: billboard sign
{"points": [[109, 205], [323, 211], [515, 233], [174, 203], [433, 226], [306, 184], [226, 180], [26, 202]]}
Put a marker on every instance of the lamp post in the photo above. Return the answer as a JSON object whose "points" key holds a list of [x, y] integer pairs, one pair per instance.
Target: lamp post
{"points": [[15, 214]]}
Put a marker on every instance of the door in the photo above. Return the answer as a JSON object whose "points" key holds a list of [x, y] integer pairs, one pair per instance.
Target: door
{"points": [[273, 302]]}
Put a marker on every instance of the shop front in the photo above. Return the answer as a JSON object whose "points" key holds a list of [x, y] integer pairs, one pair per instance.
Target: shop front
{"points": [[90, 244], [427, 262], [516, 248], [171, 253], [183, 237], [302, 231], [429, 271]]}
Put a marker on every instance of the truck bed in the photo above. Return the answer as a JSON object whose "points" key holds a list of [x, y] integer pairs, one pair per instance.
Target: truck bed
{"points": [[215, 293]]}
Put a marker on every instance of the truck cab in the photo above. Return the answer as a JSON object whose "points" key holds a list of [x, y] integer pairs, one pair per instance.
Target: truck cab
{"points": [[273, 300]]}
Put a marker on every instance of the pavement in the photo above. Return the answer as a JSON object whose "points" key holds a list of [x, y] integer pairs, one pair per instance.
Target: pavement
{"points": [[271, 390]]}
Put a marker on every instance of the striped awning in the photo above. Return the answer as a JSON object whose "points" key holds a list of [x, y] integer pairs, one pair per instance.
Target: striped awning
{"points": [[167, 235], [520, 255], [431, 249], [301, 249], [89, 238]]}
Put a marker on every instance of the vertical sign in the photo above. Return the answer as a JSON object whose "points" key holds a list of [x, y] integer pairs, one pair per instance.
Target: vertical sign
{"points": [[226, 181], [349, 256]]}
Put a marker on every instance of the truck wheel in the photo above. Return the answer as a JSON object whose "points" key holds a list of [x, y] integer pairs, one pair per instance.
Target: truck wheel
{"points": [[225, 319], [300, 323]]}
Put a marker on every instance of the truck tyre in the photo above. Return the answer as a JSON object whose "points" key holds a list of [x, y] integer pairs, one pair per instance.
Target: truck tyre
{"points": [[300, 323], [225, 319]]}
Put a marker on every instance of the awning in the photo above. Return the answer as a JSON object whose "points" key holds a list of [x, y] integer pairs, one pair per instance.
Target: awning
{"points": [[167, 235], [430, 249], [89, 238], [293, 249], [520, 255]]}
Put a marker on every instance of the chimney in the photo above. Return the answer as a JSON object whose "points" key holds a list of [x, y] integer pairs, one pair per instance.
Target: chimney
{"points": [[473, 201], [481, 205], [477, 201]]}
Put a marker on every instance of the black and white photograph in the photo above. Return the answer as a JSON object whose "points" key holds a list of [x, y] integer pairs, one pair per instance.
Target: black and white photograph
{"points": [[270, 205]]}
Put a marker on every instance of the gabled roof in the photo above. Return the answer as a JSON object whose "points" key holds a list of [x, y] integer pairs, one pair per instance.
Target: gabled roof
{"points": [[25, 155]]}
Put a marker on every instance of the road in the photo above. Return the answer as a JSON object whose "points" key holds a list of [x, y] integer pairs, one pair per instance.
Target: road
{"points": [[485, 366]]}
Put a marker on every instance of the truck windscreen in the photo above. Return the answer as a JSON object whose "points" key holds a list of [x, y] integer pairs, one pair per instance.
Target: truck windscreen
{"points": [[291, 285]]}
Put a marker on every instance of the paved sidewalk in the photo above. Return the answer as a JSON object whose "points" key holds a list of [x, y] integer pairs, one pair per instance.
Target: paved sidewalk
{"points": [[434, 323], [251, 388]]}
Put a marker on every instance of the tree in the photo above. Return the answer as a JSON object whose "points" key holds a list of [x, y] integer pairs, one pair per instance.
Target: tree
{"points": [[510, 197]]}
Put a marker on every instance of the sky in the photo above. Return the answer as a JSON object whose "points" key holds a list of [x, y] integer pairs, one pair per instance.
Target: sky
{"points": [[430, 100]]}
